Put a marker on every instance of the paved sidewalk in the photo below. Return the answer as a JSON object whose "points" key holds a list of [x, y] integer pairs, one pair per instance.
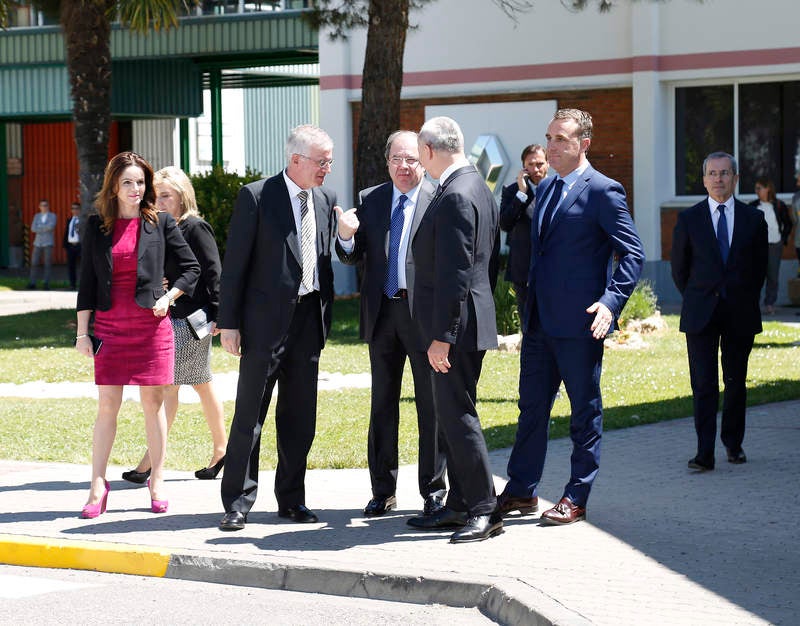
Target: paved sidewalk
{"points": [[661, 545]]}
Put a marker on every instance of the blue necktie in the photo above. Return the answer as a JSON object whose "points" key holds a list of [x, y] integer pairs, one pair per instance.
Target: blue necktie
{"points": [[722, 234], [395, 234], [551, 206]]}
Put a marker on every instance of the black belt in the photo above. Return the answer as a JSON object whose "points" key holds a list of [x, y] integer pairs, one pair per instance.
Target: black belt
{"points": [[306, 297], [400, 294]]}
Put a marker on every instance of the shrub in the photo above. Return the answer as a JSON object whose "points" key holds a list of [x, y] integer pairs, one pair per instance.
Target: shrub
{"points": [[505, 302], [216, 194], [642, 303]]}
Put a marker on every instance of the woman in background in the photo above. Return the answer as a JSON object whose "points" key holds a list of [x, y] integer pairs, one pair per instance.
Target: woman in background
{"points": [[125, 248], [175, 195], [779, 226]]}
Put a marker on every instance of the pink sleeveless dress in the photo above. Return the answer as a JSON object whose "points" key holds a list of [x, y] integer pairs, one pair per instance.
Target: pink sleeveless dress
{"points": [[138, 348]]}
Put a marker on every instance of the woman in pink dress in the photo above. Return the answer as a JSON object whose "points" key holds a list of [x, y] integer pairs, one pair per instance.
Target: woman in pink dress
{"points": [[124, 250]]}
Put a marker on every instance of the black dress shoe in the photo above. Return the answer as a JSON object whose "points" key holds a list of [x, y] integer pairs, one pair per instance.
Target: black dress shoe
{"points": [[446, 518], [433, 504], [477, 528], [138, 478], [233, 520], [299, 514], [736, 458], [379, 506], [699, 465], [210, 473], [506, 503]]}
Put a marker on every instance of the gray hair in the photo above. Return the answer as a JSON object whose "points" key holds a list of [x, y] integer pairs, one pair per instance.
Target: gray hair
{"points": [[721, 155], [392, 137], [442, 134], [304, 137]]}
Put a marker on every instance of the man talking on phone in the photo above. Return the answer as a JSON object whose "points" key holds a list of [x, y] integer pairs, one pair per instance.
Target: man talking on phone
{"points": [[516, 211]]}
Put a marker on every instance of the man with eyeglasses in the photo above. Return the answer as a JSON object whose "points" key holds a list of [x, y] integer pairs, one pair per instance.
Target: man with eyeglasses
{"points": [[377, 234], [276, 292], [719, 261], [516, 212]]}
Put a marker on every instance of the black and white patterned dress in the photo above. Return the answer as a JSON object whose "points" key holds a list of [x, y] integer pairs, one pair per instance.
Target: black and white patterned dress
{"points": [[192, 355]]}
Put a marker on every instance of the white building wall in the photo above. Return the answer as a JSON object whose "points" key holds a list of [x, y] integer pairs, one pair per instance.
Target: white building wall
{"points": [[465, 47]]}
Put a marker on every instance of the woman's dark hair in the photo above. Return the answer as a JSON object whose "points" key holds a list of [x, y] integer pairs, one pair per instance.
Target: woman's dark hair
{"points": [[106, 201]]}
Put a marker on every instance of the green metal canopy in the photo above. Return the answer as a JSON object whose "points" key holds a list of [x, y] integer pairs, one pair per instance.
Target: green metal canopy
{"points": [[158, 74]]}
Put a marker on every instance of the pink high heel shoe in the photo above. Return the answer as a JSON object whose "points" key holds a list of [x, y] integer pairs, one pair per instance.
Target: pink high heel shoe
{"points": [[90, 511], [157, 506]]}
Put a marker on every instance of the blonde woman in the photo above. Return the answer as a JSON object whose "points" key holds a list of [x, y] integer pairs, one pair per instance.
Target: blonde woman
{"points": [[175, 195]]}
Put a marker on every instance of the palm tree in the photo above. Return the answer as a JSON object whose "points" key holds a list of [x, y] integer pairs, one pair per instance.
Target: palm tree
{"points": [[87, 36]]}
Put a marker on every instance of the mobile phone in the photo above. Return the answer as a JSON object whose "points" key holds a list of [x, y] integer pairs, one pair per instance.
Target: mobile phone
{"points": [[97, 343]]}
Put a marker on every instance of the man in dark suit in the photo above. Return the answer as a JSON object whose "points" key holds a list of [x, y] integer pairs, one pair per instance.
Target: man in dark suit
{"points": [[581, 221], [719, 260], [455, 252], [516, 211], [378, 233], [276, 293], [72, 244]]}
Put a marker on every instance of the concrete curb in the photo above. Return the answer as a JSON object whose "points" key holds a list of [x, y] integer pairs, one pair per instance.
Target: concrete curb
{"points": [[506, 601]]}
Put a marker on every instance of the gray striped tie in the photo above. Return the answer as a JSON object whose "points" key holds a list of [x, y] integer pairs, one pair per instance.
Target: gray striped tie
{"points": [[308, 231]]}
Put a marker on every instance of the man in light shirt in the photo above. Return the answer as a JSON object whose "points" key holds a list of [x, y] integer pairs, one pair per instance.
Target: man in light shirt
{"points": [[43, 227]]}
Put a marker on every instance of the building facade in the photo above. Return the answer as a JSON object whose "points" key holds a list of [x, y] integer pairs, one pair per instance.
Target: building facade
{"points": [[666, 83]]}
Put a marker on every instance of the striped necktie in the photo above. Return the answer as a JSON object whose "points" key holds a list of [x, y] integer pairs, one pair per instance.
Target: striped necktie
{"points": [[308, 247]]}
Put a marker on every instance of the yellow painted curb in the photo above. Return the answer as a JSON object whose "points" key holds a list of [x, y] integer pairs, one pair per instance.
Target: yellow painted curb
{"points": [[89, 555]]}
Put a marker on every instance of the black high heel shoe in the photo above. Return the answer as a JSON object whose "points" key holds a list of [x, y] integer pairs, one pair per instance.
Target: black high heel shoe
{"points": [[138, 478], [210, 473]]}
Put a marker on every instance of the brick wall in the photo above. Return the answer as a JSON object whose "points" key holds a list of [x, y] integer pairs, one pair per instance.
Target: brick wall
{"points": [[611, 151]]}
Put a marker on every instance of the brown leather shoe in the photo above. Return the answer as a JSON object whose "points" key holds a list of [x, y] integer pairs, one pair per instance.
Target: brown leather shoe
{"points": [[565, 512], [506, 503]]}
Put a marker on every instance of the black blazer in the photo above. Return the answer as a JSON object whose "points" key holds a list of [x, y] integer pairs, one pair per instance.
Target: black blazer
{"points": [[700, 276], [156, 243], [200, 237], [515, 219], [263, 264], [455, 251], [371, 244]]}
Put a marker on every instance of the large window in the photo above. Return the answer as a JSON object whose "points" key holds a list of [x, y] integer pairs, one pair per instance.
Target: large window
{"points": [[768, 123]]}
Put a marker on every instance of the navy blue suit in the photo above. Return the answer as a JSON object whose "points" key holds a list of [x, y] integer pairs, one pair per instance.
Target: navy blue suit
{"points": [[571, 268]]}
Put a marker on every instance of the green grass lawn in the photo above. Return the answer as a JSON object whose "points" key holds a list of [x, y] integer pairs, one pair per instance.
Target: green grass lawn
{"points": [[639, 387]]}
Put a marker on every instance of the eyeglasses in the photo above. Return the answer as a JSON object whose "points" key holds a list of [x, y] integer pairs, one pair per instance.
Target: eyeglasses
{"points": [[322, 163], [397, 161], [720, 173]]}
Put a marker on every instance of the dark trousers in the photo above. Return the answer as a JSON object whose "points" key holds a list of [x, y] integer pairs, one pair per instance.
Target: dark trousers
{"points": [[394, 339], [294, 366], [454, 396], [703, 349], [544, 363], [73, 257], [521, 293]]}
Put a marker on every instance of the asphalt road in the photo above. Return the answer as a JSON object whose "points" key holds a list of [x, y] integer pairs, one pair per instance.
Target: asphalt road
{"points": [[34, 596]]}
